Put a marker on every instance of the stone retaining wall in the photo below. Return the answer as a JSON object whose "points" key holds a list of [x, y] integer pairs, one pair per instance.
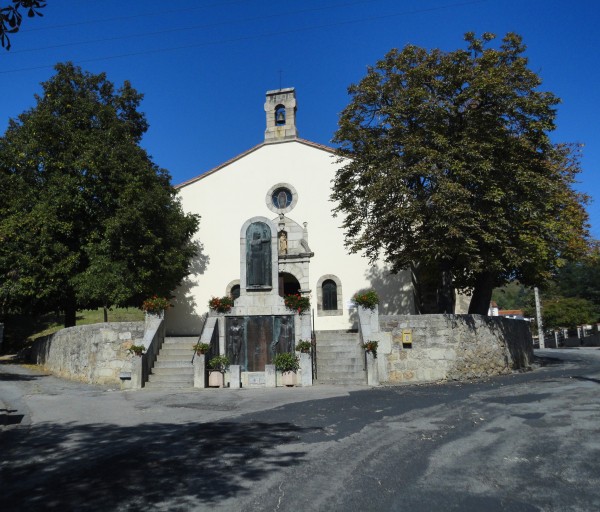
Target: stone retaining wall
{"points": [[94, 353], [453, 347]]}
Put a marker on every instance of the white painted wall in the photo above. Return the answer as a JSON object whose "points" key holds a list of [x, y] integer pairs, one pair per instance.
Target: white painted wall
{"points": [[231, 195]]}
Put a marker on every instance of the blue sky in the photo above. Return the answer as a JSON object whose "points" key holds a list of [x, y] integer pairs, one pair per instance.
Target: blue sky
{"points": [[205, 65]]}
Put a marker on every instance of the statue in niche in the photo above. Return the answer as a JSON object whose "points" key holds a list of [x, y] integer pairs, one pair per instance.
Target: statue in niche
{"points": [[236, 335], [283, 242], [258, 255]]}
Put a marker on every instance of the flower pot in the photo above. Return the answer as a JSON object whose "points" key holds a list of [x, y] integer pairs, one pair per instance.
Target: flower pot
{"points": [[288, 379], [216, 379]]}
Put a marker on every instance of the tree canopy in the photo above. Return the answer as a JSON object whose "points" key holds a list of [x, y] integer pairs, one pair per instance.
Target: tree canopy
{"points": [[448, 170], [87, 219]]}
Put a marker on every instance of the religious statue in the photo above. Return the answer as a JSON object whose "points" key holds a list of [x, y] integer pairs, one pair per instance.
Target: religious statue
{"points": [[284, 339], [283, 242], [236, 335], [258, 254]]}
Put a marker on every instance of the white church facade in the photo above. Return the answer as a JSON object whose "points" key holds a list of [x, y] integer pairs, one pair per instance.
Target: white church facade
{"points": [[283, 186]]}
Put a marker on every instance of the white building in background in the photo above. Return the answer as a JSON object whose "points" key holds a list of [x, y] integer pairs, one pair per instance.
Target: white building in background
{"points": [[282, 185]]}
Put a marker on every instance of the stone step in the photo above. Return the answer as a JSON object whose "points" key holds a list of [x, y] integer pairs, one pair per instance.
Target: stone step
{"points": [[338, 341], [177, 351], [348, 366], [342, 376], [178, 344], [339, 352], [181, 339], [177, 377], [174, 357], [168, 385], [173, 364], [340, 382], [179, 370], [339, 345]]}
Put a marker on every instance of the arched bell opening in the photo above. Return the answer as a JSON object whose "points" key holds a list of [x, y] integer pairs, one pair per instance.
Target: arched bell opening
{"points": [[279, 115], [288, 284]]}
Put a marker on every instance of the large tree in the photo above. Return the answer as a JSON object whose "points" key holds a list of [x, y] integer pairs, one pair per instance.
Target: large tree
{"points": [[448, 169], [86, 218]]}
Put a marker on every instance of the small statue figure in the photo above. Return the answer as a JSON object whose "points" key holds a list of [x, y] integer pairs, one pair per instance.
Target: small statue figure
{"points": [[283, 242]]}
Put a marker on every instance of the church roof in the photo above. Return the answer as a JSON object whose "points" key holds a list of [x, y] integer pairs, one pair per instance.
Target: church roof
{"points": [[252, 150]]}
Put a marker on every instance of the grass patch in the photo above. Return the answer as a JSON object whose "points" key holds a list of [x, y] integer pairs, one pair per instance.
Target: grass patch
{"points": [[21, 330]]}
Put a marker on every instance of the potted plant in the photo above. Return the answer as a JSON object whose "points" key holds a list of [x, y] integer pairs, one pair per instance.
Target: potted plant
{"points": [[368, 299], [371, 346], [304, 346], [297, 303], [201, 348], [288, 364], [221, 304], [137, 350], [216, 368], [155, 305]]}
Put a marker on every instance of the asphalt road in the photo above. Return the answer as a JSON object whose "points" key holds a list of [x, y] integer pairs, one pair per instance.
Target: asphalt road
{"points": [[524, 442]]}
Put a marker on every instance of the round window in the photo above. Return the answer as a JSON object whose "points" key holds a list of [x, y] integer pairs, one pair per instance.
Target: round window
{"points": [[281, 198]]}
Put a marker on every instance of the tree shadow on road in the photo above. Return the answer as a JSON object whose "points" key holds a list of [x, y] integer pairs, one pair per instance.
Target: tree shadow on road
{"points": [[107, 467]]}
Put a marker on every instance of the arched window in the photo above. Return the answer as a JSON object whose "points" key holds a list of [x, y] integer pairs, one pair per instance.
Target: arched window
{"points": [[235, 291], [279, 115], [330, 301], [329, 295]]}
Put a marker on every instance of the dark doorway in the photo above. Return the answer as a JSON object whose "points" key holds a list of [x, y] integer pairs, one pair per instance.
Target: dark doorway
{"points": [[288, 284]]}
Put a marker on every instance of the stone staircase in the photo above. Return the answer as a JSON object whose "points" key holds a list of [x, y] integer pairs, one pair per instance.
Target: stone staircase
{"points": [[173, 367], [340, 358]]}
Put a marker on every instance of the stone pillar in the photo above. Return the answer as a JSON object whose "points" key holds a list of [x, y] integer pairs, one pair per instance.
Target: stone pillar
{"points": [[200, 371], [306, 370], [369, 323], [270, 380], [137, 373], [372, 370], [305, 333], [234, 376]]}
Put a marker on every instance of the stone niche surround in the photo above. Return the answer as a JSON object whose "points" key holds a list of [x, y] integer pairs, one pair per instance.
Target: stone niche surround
{"points": [[264, 301]]}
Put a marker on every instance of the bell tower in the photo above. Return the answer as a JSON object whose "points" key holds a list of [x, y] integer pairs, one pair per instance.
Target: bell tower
{"points": [[280, 108]]}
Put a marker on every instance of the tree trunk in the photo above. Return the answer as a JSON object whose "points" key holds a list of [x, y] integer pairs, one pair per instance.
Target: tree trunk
{"points": [[433, 289], [70, 308], [446, 296], [70, 314], [105, 314], [482, 294]]}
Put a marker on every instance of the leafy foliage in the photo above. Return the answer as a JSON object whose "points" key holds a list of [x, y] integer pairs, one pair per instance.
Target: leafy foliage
{"points": [[304, 346], [371, 346], [137, 350], [201, 348], [87, 219], [368, 299], [156, 304], [221, 304], [581, 278], [513, 295], [220, 363], [297, 303], [447, 164], [569, 312], [286, 362], [11, 17]]}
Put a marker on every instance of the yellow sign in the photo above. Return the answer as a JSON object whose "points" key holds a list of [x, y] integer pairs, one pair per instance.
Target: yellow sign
{"points": [[407, 336]]}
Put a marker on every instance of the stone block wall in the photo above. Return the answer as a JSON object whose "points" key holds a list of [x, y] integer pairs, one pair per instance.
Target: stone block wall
{"points": [[94, 353], [452, 347]]}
